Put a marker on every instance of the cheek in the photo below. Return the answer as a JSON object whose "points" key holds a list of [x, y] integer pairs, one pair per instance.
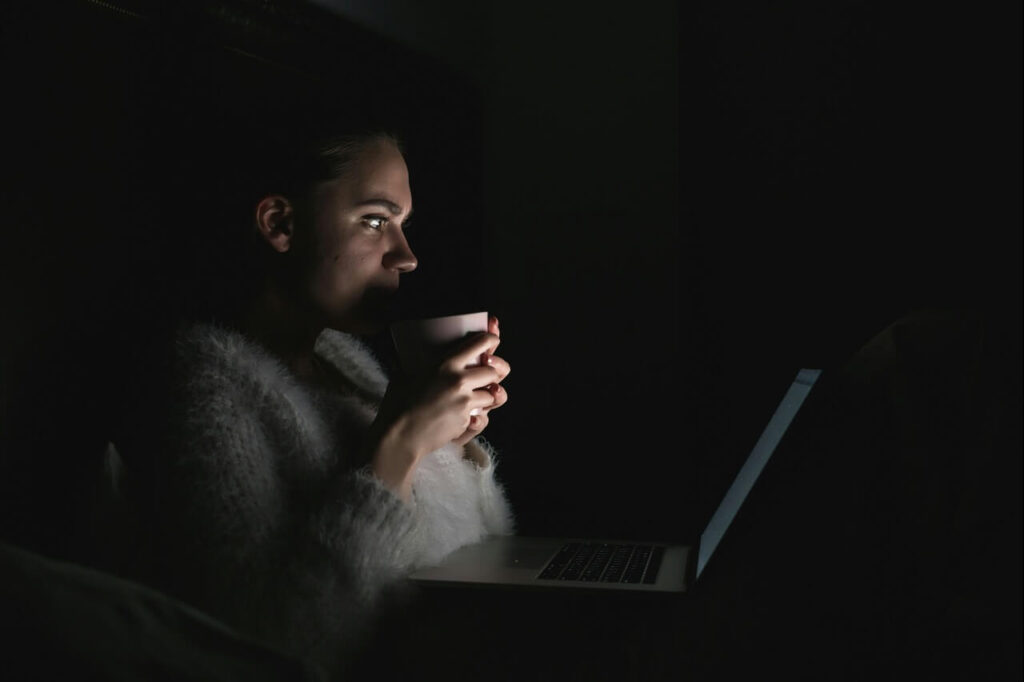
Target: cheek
{"points": [[339, 273], [334, 268], [350, 260], [331, 252]]}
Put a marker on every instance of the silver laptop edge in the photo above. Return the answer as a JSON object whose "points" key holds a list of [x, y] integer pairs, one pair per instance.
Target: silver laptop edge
{"points": [[518, 560], [751, 469]]}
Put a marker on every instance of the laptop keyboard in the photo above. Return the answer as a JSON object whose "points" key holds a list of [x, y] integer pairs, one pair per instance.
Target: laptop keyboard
{"points": [[606, 563]]}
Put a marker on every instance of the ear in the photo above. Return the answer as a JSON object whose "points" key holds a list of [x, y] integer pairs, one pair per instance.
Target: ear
{"points": [[275, 222]]}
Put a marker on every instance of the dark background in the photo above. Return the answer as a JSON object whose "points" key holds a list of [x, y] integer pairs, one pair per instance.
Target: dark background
{"points": [[671, 207]]}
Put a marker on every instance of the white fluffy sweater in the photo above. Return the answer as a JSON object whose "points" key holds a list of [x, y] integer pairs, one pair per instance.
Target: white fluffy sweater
{"points": [[257, 514]]}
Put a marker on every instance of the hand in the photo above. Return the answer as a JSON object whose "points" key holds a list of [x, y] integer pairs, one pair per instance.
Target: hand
{"points": [[418, 416], [478, 423]]}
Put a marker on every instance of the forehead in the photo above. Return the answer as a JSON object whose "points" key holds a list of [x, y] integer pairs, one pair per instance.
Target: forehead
{"points": [[378, 171]]}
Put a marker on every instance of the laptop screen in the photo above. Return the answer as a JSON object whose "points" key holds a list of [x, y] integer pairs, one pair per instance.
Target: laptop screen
{"points": [[755, 463]]}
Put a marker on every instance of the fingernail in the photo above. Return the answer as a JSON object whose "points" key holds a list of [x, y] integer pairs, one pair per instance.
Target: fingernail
{"points": [[490, 360]]}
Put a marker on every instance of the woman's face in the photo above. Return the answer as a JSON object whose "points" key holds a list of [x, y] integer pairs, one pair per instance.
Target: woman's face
{"points": [[358, 250]]}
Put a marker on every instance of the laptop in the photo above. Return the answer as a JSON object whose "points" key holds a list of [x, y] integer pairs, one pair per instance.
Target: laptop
{"points": [[603, 564]]}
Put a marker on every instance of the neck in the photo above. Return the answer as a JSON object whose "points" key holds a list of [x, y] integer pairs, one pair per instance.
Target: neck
{"points": [[274, 320]]}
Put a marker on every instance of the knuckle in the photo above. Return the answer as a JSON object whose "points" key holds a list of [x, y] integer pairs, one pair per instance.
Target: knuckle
{"points": [[451, 379]]}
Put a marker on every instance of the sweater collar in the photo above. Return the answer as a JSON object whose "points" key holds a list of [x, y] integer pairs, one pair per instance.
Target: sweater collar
{"points": [[345, 352], [353, 358]]}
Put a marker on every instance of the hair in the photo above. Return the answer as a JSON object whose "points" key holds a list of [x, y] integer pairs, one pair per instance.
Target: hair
{"points": [[297, 168]]}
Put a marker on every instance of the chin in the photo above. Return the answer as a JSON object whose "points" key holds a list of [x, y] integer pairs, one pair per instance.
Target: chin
{"points": [[360, 327], [369, 327], [371, 316], [360, 324]]}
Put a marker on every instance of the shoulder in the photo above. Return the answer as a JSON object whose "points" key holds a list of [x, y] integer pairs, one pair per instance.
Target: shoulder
{"points": [[354, 359], [212, 358], [187, 366], [198, 343]]}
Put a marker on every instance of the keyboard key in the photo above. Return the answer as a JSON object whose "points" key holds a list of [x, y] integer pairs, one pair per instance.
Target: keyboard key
{"points": [[578, 563], [560, 561], [651, 576], [633, 574], [637, 563], [617, 564], [598, 563], [610, 563], [551, 571]]}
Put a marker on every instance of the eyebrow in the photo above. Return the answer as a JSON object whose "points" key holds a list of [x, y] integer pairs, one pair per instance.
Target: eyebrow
{"points": [[391, 206]]}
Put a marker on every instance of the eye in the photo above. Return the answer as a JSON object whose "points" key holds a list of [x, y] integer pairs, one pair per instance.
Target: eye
{"points": [[375, 222]]}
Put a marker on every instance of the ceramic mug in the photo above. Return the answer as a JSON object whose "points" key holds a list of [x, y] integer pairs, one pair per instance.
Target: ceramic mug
{"points": [[421, 343]]}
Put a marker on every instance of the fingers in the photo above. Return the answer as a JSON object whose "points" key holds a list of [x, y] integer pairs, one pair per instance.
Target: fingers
{"points": [[469, 353], [492, 326], [486, 360], [500, 397], [476, 426], [480, 401], [478, 377], [500, 365]]}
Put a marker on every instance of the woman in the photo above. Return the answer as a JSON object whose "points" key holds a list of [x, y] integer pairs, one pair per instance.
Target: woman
{"points": [[285, 483]]}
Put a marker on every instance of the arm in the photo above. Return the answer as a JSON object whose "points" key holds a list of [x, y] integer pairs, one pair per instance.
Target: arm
{"points": [[446, 475], [255, 530], [419, 415]]}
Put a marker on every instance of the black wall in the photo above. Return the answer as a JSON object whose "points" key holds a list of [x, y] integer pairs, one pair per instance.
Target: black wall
{"points": [[670, 208], [847, 163]]}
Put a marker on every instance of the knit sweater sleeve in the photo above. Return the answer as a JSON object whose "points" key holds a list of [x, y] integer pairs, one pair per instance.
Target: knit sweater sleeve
{"points": [[457, 501], [294, 557]]}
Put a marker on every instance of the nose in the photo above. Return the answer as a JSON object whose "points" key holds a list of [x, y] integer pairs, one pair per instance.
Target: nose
{"points": [[400, 256]]}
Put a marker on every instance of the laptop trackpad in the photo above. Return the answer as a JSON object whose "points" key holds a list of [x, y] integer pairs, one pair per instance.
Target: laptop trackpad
{"points": [[527, 557]]}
